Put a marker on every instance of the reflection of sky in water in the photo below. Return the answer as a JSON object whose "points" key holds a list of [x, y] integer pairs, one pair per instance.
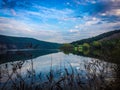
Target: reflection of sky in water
{"points": [[59, 60]]}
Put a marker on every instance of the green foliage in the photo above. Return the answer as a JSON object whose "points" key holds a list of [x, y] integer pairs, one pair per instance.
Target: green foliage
{"points": [[114, 51], [86, 52], [75, 48], [80, 48], [96, 38], [96, 45], [67, 47], [108, 50], [86, 46]]}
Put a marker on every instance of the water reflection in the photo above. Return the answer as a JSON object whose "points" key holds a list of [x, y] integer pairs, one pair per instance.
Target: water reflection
{"points": [[15, 55], [56, 71]]}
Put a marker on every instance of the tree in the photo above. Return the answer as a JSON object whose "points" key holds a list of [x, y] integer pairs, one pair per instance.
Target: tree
{"points": [[96, 45], [67, 47], [86, 46]]}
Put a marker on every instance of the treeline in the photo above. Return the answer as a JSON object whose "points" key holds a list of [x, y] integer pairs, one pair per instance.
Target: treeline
{"points": [[107, 50], [96, 38], [8, 42], [95, 47]]}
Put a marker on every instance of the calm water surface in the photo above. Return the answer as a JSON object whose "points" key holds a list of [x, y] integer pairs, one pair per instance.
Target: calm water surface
{"points": [[40, 62]]}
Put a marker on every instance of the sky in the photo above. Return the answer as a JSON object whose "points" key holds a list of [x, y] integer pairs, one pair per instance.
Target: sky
{"points": [[60, 21]]}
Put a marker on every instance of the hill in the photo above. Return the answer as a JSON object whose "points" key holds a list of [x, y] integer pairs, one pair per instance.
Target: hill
{"points": [[105, 36], [112, 37], [9, 42]]}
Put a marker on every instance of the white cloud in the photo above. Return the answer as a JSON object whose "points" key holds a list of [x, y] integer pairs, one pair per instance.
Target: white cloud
{"points": [[38, 24], [21, 29], [44, 12], [112, 12], [85, 31], [104, 26], [73, 31], [84, 2], [14, 25], [88, 21], [115, 12], [103, 14], [92, 21]]}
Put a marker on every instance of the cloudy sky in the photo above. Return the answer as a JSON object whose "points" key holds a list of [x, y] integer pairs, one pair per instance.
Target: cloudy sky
{"points": [[58, 20]]}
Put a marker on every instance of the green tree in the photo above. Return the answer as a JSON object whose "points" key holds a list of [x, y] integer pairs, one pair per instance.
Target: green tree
{"points": [[86, 46], [67, 47], [96, 45]]}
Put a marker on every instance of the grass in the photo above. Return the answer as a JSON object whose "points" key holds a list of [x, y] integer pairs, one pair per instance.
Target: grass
{"points": [[95, 77]]}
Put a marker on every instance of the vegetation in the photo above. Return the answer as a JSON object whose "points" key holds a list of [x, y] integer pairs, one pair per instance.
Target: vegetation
{"points": [[96, 38], [95, 77], [99, 47], [8, 42], [67, 48], [106, 50]]}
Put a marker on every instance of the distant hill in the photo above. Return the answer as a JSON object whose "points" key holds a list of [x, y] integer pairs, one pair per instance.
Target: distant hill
{"points": [[113, 36], [9, 42], [105, 36]]}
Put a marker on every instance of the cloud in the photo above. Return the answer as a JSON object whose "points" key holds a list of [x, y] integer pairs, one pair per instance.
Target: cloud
{"points": [[75, 20], [89, 21], [42, 13], [91, 27], [93, 21], [112, 7], [19, 28], [98, 25], [84, 2], [15, 28], [73, 31], [107, 10], [48, 13], [23, 9], [112, 12]]}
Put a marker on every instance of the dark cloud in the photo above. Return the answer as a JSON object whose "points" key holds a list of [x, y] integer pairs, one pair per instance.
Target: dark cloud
{"points": [[106, 10]]}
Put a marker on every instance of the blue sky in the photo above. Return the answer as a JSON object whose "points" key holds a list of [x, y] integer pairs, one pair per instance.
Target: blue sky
{"points": [[58, 20]]}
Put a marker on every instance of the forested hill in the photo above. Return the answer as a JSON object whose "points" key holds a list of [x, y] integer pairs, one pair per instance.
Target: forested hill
{"points": [[9, 42], [105, 36]]}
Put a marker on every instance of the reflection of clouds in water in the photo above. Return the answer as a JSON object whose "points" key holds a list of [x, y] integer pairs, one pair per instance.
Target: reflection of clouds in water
{"points": [[59, 61], [43, 63]]}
